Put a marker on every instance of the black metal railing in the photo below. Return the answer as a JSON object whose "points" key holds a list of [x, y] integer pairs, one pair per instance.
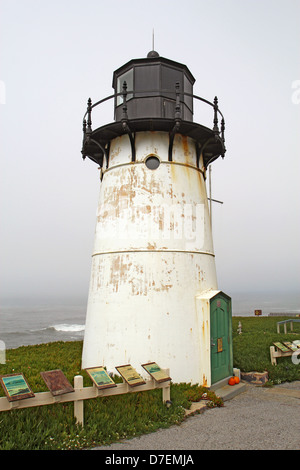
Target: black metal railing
{"points": [[218, 132], [87, 121]]}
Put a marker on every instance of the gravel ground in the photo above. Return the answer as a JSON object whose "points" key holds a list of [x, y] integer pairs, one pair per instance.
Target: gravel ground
{"points": [[258, 419]]}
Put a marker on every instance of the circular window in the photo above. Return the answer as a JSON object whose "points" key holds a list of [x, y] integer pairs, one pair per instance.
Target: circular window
{"points": [[152, 162]]}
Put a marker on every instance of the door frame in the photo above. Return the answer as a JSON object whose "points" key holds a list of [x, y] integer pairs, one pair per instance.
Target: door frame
{"points": [[203, 304], [225, 370]]}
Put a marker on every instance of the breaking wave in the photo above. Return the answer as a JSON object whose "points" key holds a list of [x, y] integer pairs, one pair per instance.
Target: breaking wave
{"points": [[68, 328]]}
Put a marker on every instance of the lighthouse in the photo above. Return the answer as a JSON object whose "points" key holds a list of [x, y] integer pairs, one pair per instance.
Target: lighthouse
{"points": [[153, 292]]}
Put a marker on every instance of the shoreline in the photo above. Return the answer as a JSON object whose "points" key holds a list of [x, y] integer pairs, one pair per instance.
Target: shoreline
{"points": [[65, 339]]}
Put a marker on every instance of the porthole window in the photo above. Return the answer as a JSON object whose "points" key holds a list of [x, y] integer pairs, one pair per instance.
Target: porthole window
{"points": [[152, 162]]}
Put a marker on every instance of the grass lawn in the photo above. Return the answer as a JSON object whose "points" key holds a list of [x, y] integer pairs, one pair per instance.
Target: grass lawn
{"points": [[113, 418], [251, 349]]}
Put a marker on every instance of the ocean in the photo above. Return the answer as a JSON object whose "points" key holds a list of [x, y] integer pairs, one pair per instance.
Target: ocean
{"points": [[31, 322], [43, 322]]}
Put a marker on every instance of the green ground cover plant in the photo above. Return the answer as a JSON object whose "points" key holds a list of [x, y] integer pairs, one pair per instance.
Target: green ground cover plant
{"points": [[251, 349], [113, 418], [108, 419]]}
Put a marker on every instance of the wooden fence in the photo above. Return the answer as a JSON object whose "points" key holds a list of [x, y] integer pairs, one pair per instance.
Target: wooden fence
{"points": [[82, 393]]}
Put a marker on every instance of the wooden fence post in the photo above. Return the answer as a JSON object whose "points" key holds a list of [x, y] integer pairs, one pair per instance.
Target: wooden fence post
{"points": [[78, 404], [272, 354], [166, 390]]}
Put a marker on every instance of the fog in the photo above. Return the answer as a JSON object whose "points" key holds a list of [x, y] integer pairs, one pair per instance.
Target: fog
{"points": [[55, 55]]}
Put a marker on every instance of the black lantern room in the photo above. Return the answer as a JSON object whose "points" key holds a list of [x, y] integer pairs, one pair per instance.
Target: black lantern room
{"points": [[153, 94], [151, 88]]}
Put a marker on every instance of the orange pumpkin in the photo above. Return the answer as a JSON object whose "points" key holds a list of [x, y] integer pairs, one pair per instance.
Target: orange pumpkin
{"points": [[236, 379], [231, 381]]}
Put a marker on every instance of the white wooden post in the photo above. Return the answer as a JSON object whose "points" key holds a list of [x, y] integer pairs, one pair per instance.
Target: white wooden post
{"points": [[166, 394], [166, 389], [78, 404], [2, 352], [272, 354]]}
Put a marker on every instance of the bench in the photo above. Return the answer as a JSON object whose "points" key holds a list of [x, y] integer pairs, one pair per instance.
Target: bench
{"points": [[282, 350], [285, 322]]}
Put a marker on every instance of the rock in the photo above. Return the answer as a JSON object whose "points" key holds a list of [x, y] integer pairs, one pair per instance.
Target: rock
{"points": [[256, 378]]}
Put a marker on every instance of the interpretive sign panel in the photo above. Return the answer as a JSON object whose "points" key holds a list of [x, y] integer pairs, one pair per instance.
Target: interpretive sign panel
{"points": [[130, 375], [156, 372], [15, 387], [281, 346], [290, 345], [57, 382], [100, 377]]}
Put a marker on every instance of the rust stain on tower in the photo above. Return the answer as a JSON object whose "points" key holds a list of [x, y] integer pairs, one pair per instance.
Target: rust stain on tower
{"points": [[153, 252]]}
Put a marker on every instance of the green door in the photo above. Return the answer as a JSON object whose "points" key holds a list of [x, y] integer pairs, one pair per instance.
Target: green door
{"points": [[221, 337]]}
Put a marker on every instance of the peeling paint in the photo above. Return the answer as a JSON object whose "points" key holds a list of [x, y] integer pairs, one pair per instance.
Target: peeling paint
{"points": [[145, 270]]}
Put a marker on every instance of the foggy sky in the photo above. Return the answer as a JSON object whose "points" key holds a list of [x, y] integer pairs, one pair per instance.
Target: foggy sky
{"points": [[55, 55]]}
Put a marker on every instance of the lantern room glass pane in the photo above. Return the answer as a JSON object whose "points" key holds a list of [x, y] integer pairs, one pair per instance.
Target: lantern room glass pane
{"points": [[169, 77], [188, 88], [147, 79], [128, 78]]}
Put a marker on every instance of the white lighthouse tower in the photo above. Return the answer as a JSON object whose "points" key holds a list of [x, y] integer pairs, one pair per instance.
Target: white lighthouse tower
{"points": [[153, 290]]}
